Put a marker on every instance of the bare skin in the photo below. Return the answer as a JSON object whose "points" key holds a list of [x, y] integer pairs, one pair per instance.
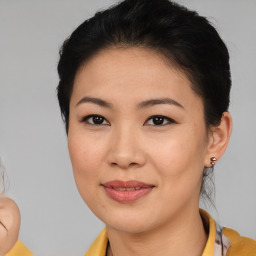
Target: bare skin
{"points": [[9, 224], [129, 144]]}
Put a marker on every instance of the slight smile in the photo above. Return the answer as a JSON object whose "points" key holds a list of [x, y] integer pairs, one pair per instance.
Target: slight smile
{"points": [[126, 191]]}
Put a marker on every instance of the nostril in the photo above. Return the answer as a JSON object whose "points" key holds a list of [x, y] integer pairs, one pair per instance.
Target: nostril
{"points": [[124, 165]]}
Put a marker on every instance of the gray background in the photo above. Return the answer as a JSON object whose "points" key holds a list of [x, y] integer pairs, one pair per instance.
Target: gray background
{"points": [[55, 221]]}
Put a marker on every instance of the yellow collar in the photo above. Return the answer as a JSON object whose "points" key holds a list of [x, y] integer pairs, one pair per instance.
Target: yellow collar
{"points": [[19, 249], [99, 246], [209, 221]]}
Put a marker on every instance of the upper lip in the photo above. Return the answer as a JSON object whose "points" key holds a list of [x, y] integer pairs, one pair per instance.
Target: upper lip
{"points": [[126, 184]]}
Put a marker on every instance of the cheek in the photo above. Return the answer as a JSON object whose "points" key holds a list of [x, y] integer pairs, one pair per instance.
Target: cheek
{"points": [[180, 168], [180, 157], [84, 152], [85, 157]]}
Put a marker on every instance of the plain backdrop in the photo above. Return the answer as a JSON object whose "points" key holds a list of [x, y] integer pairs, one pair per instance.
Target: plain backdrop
{"points": [[55, 220]]}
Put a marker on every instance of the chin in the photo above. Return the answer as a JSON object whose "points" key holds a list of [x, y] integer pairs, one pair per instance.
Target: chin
{"points": [[128, 227], [129, 222]]}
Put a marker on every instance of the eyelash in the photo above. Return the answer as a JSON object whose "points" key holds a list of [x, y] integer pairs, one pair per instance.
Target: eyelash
{"points": [[170, 121]]}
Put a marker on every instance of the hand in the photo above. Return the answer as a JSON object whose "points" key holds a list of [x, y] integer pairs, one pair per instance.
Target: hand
{"points": [[9, 224]]}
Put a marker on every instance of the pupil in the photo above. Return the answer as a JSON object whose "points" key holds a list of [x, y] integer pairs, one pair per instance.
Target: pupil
{"points": [[158, 120], [97, 120]]}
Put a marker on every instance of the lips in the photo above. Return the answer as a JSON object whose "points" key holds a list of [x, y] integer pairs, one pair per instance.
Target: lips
{"points": [[126, 191]]}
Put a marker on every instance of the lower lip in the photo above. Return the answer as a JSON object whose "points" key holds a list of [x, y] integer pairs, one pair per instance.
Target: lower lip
{"points": [[127, 196]]}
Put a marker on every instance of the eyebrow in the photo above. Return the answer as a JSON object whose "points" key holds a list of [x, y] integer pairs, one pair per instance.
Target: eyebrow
{"points": [[153, 102], [97, 101], [143, 104]]}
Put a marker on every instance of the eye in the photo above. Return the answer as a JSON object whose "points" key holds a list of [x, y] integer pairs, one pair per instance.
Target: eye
{"points": [[94, 120], [159, 120]]}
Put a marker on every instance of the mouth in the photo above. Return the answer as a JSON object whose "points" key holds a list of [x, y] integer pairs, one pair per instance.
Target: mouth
{"points": [[126, 191]]}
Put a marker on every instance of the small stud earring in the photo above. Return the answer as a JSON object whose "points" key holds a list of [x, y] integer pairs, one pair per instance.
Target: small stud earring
{"points": [[213, 159]]}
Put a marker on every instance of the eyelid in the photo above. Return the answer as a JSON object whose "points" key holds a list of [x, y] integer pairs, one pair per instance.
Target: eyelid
{"points": [[170, 120], [85, 118]]}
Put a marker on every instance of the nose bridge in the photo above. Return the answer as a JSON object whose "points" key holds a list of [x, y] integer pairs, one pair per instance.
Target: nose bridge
{"points": [[125, 146]]}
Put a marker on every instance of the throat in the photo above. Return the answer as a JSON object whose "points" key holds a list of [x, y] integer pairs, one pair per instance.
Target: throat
{"points": [[189, 240]]}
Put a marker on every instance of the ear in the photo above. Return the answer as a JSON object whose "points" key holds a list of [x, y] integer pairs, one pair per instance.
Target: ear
{"points": [[218, 139]]}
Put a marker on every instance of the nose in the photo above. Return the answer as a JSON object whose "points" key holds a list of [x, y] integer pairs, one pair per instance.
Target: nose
{"points": [[125, 149]]}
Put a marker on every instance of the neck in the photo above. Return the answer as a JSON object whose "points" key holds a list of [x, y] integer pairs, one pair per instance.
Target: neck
{"points": [[184, 236]]}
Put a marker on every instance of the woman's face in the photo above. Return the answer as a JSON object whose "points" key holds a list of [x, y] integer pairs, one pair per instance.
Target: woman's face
{"points": [[137, 139]]}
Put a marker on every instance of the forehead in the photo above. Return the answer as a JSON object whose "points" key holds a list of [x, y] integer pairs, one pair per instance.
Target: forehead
{"points": [[131, 73], [129, 60]]}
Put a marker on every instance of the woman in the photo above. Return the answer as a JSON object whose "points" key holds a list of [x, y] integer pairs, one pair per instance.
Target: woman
{"points": [[9, 228], [144, 93]]}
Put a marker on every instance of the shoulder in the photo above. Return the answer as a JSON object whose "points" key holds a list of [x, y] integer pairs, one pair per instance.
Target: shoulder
{"points": [[19, 249], [239, 245]]}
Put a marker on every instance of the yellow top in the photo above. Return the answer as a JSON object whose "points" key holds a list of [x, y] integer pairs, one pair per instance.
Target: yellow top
{"points": [[221, 241], [240, 246], [19, 249]]}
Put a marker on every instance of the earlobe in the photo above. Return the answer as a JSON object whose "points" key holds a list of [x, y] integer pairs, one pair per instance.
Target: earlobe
{"points": [[219, 139]]}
